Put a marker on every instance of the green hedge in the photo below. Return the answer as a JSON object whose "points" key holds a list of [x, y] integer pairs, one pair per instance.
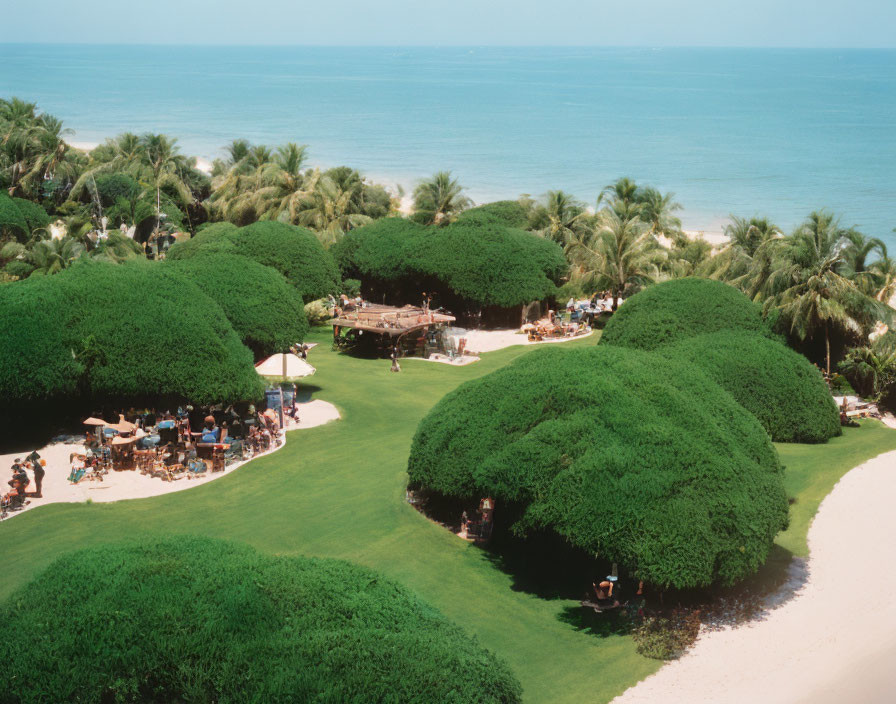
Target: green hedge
{"points": [[34, 214], [504, 212], [681, 308], [633, 457], [199, 620], [119, 331], [479, 261], [267, 313], [13, 225], [213, 237], [785, 392], [293, 251]]}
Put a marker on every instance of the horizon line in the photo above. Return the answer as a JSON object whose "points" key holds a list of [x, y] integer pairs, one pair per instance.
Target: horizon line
{"points": [[449, 45]]}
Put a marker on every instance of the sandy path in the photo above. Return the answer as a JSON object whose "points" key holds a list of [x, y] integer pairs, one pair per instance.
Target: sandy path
{"points": [[479, 341], [834, 641], [130, 484]]}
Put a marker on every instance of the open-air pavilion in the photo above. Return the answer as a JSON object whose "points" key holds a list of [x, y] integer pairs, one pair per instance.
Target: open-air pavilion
{"points": [[409, 330]]}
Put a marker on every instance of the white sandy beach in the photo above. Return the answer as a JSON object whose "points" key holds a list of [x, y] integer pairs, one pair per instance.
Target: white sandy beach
{"points": [[130, 484], [835, 641]]}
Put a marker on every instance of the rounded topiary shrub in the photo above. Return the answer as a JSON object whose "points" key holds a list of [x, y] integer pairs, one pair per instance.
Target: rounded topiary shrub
{"points": [[267, 313], [480, 261], [120, 332], [785, 391], [209, 238], [506, 212], [667, 312], [631, 456], [293, 251], [200, 620], [491, 264]]}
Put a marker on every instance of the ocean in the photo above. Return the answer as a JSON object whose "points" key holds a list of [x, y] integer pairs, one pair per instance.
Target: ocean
{"points": [[742, 131]]}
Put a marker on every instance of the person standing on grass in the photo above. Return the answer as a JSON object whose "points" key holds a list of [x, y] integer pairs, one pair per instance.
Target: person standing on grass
{"points": [[38, 470]]}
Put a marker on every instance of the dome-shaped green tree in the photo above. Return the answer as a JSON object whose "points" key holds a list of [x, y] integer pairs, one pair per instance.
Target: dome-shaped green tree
{"points": [[293, 251], [782, 388], [207, 621], [209, 238], [473, 263], [122, 332], [630, 456], [667, 312], [267, 313]]}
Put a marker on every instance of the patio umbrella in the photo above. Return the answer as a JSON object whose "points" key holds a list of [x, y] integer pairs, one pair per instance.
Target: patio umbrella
{"points": [[118, 440], [94, 421], [284, 366]]}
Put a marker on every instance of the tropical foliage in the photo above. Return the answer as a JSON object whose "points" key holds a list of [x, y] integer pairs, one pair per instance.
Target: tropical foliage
{"points": [[195, 619], [267, 313], [118, 332], [439, 200], [631, 456], [473, 263], [679, 309], [785, 391]]}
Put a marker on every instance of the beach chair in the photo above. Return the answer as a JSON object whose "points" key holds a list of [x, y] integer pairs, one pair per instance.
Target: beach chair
{"points": [[76, 475], [196, 468]]}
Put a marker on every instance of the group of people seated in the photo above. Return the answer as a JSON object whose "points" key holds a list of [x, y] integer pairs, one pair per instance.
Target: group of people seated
{"points": [[16, 497]]}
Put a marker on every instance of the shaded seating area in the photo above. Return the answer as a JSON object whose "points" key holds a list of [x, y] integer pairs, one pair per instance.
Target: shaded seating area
{"points": [[407, 331]]}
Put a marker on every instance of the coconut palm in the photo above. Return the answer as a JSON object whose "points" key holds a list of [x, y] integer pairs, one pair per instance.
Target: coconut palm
{"points": [[438, 200], [748, 257], [330, 210], [873, 367], [883, 272], [809, 290], [561, 217], [619, 254], [623, 190], [657, 210]]}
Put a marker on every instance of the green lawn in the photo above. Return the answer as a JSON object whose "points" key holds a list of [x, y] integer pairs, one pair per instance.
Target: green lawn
{"points": [[338, 491]]}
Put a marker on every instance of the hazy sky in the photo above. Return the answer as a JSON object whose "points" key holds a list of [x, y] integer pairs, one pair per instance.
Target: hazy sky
{"points": [[779, 23]]}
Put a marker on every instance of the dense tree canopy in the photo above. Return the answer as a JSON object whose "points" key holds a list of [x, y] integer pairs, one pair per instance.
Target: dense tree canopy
{"points": [[629, 455], [19, 218], [293, 251], [203, 620], [785, 391], [479, 261], [266, 312], [681, 308], [118, 332], [506, 212]]}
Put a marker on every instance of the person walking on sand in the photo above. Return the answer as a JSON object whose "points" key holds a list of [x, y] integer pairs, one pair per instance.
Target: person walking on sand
{"points": [[38, 470]]}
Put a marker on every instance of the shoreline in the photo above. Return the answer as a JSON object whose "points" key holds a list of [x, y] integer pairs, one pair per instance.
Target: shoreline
{"points": [[694, 223], [831, 639]]}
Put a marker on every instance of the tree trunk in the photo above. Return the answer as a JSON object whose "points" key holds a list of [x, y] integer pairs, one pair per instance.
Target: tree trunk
{"points": [[827, 344]]}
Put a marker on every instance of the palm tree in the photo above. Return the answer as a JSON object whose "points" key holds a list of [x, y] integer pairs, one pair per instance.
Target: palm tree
{"points": [[883, 272], [49, 155], [438, 200], [52, 256], [873, 366], [330, 210], [809, 290], [623, 190], [657, 210], [563, 217], [856, 266], [747, 259], [620, 254]]}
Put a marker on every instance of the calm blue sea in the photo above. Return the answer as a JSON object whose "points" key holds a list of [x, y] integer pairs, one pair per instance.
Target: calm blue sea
{"points": [[776, 132]]}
